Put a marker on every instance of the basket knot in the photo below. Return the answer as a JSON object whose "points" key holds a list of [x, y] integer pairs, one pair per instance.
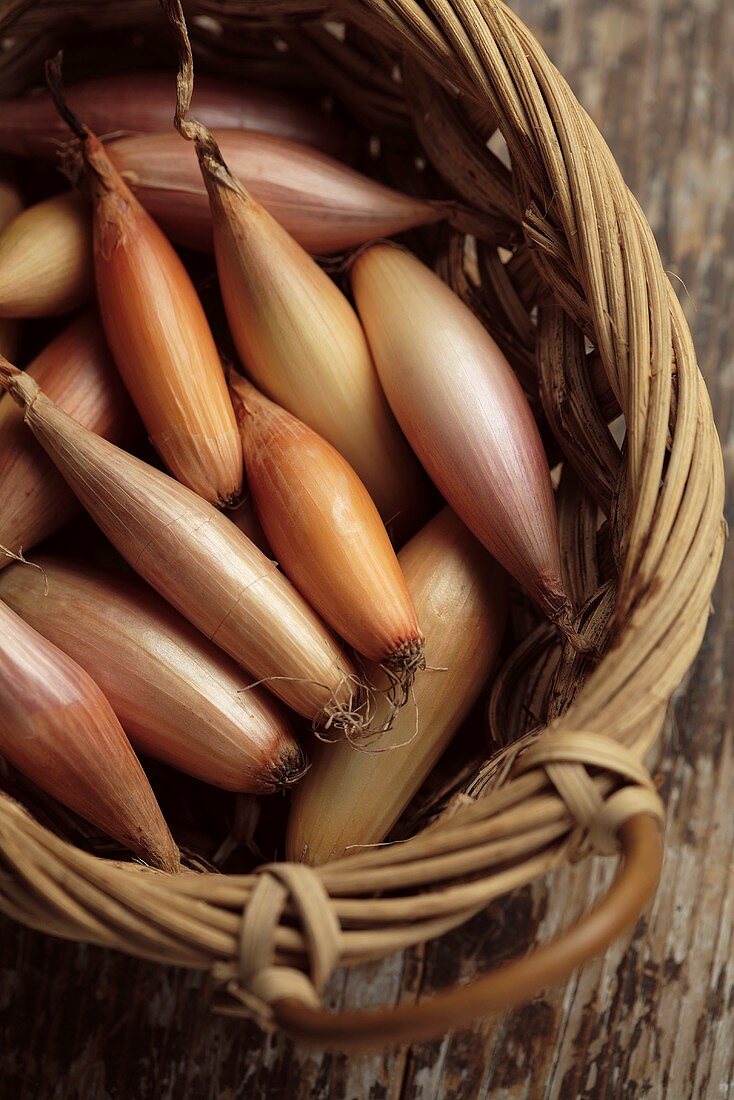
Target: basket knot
{"points": [[566, 756], [259, 980]]}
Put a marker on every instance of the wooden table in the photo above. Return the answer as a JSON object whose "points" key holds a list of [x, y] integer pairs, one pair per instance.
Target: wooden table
{"points": [[655, 1017]]}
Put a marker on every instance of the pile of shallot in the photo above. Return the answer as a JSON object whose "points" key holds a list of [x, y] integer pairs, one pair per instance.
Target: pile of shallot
{"points": [[303, 576]]}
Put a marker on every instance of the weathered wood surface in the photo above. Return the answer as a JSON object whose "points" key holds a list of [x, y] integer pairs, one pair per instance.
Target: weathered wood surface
{"points": [[655, 1017]]}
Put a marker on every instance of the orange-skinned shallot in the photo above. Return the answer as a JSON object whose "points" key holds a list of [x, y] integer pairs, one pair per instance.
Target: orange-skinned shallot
{"points": [[327, 535], [156, 328]]}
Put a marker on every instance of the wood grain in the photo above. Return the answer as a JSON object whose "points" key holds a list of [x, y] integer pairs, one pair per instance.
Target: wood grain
{"points": [[656, 1016]]}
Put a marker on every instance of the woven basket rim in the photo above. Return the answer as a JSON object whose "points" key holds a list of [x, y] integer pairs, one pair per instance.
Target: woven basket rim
{"points": [[276, 936]]}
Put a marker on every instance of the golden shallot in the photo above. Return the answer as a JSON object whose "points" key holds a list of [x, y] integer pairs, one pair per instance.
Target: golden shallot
{"points": [[294, 330], [46, 259], [351, 797]]}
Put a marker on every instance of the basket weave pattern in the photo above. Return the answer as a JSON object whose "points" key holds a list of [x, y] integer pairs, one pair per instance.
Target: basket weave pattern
{"points": [[584, 273]]}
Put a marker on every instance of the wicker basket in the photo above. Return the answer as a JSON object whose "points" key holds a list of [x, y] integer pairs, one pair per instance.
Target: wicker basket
{"points": [[568, 279]]}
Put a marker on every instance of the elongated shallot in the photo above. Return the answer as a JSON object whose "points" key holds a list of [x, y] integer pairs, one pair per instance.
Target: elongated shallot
{"points": [[58, 729], [156, 328], [327, 535], [326, 206], [466, 417], [139, 102], [350, 797], [295, 332]]}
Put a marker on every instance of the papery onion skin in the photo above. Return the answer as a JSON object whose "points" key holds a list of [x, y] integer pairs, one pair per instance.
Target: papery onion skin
{"points": [[141, 102], [350, 797], [326, 206], [465, 415], [200, 562], [57, 728], [160, 338], [301, 342], [76, 371], [46, 259], [178, 698], [325, 530]]}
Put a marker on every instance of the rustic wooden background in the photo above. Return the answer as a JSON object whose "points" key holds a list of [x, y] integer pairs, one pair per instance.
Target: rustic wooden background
{"points": [[655, 1018]]}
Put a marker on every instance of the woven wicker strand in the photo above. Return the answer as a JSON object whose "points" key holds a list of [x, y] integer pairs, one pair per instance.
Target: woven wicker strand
{"points": [[584, 255]]}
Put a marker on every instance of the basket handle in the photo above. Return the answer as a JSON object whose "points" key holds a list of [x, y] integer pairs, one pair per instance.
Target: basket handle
{"points": [[506, 987]]}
